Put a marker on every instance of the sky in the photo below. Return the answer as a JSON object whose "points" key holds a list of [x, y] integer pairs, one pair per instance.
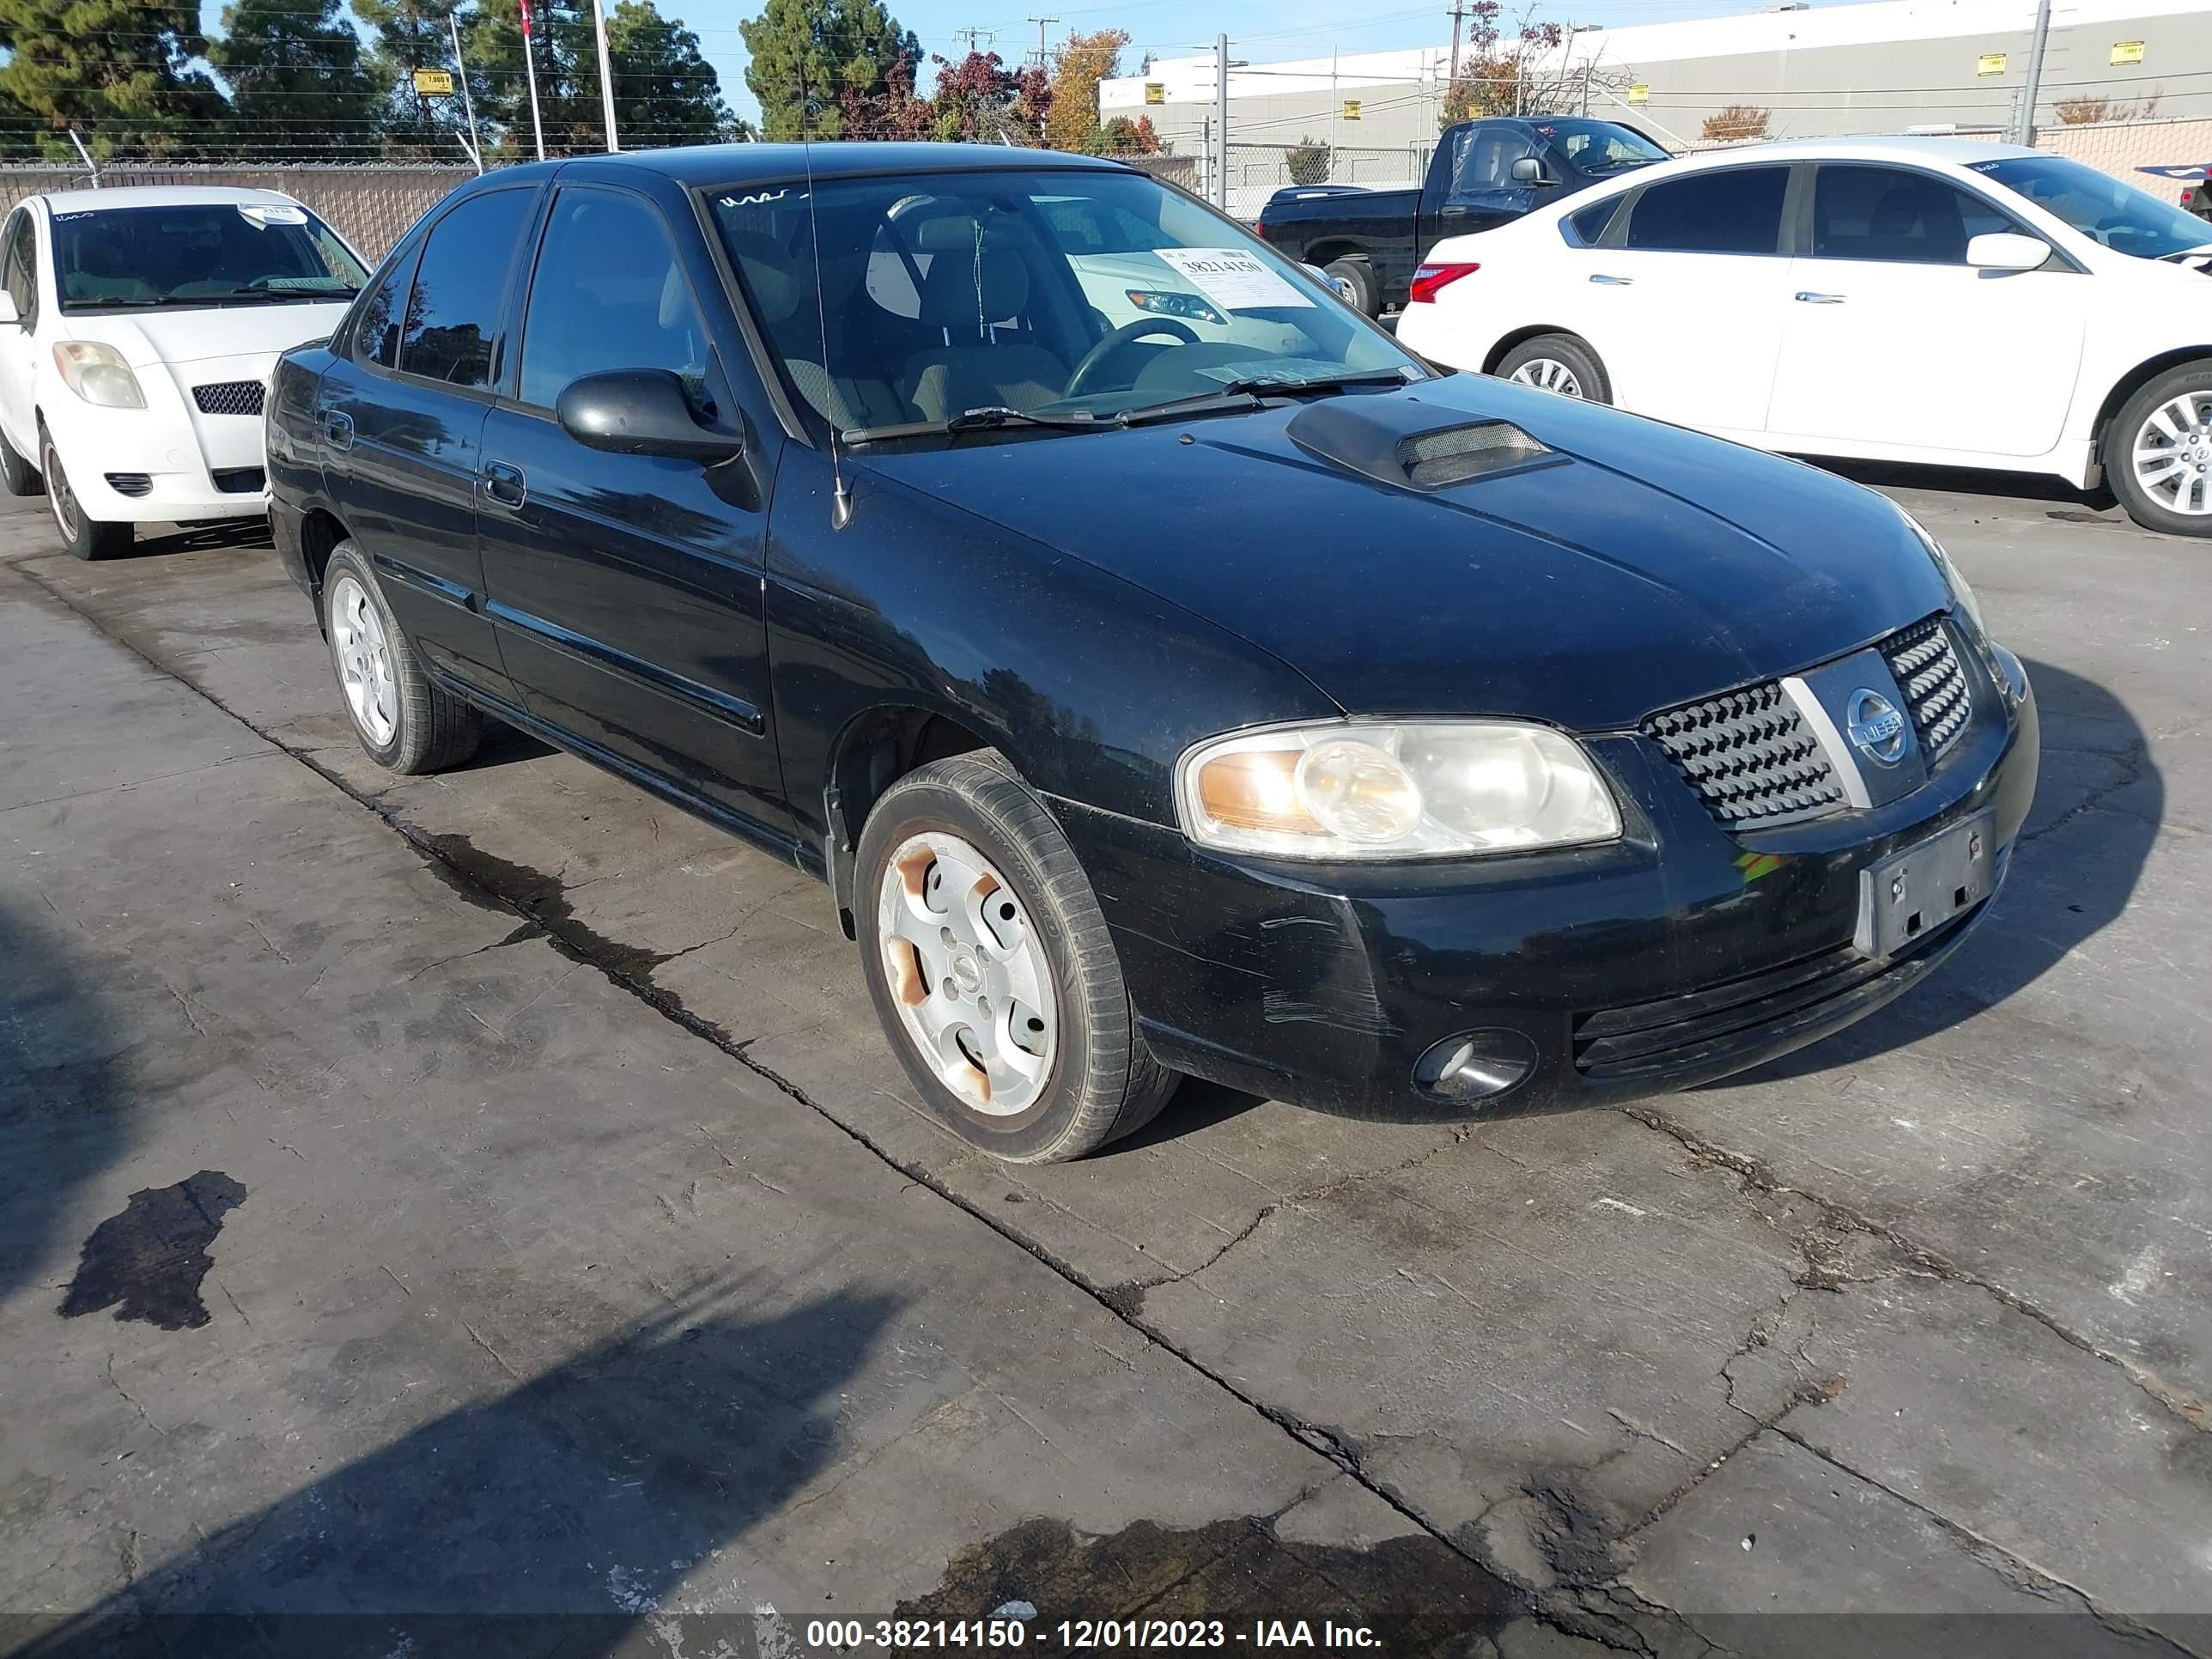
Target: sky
{"points": [[1258, 30]]}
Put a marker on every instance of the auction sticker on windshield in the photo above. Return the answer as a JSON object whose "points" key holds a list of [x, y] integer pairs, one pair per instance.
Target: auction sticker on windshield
{"points": [[1233, 279]]}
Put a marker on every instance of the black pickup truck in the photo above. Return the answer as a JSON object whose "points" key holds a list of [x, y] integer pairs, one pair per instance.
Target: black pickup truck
{"points": [[1483, 173]]}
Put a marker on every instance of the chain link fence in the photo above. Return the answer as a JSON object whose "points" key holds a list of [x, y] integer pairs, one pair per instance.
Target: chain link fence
{"points": [[1256, 172], [370, 206]]}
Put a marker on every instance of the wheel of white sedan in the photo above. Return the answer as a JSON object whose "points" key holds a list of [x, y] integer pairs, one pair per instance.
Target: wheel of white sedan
{"points": [[406, 723], [1559, 363], [992, 969], [2158, 453]]}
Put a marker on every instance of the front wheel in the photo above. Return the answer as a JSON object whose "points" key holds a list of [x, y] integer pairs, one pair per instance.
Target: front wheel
{"points": [[405, 722], [1355, 281], [991, 970], [2158, 453], [1557, 362], [88, 538]]}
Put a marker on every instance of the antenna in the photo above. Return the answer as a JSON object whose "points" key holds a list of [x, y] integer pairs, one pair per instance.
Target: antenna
{"points": [[840, 495]]}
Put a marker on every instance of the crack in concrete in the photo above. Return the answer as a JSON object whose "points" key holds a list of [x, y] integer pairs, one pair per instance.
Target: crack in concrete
{"points": [[2132, 761]]}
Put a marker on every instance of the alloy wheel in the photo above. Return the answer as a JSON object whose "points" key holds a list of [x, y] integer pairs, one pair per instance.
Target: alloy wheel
{"points": [[1547, 374], [364, 660], [61, 498], [968, 973], [2173, 454]]}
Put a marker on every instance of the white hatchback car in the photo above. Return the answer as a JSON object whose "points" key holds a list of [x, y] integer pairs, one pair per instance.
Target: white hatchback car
{"points": [[1920, 300], [137, 332]]}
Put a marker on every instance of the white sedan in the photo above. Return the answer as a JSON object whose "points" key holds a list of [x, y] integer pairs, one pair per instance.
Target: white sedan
{"points": [[1931, 300], [137, 332]]}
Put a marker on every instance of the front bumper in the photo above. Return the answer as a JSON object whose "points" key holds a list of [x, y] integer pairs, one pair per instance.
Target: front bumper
{"points": [[167, 462], [1324, 986]]}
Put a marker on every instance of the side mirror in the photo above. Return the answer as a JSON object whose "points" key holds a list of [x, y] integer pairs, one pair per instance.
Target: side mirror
{"points": [[1530, 171], [2007, 250], [639, 411], [7, 312]]}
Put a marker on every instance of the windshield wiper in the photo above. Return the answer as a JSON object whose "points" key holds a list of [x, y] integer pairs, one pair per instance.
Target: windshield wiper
{"points": [[1251, 392], [987, 419]]}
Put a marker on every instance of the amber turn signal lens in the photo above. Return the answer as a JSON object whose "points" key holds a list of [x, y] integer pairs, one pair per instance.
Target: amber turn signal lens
{"points": [[1256, 789]]}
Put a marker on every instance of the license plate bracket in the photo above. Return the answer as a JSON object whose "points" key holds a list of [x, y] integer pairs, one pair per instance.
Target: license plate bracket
{"points": [[1911, 894]]}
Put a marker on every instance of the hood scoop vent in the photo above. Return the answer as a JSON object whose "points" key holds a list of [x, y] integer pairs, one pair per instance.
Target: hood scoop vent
{"points": [[1396, 441]]}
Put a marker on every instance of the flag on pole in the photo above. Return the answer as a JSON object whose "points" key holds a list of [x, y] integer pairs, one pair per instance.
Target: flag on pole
{"points": [[526, 17]]}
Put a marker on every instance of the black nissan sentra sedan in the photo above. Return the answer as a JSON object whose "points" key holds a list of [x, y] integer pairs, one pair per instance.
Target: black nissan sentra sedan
{"points": [[1165, 672]]}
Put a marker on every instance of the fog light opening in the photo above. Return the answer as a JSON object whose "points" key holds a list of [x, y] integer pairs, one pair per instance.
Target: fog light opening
{"points": [[1475, 1065]]}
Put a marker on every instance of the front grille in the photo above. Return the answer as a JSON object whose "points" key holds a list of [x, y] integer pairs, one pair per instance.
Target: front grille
{"points": [[1749, 757], [1928, 670], [133, 484], [240, 480], [229, 398], [1704, 1033]]}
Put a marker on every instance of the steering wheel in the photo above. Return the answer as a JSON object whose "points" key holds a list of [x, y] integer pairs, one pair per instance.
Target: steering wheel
{"points": [[1079, 381]]}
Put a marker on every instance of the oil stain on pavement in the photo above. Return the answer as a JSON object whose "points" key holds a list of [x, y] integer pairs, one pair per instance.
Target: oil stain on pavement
{"points": [[146, 1263]]}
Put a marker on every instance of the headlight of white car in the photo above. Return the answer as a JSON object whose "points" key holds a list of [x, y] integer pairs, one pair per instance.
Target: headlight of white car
{"points": [[1371, 790], [1960, 592], [98, 375]]}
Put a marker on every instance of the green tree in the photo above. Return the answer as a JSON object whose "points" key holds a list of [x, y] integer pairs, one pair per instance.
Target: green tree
{"points": [[808, 56], [1085, 61], [300, 82], [412, 34], [118, 71], [665, 92]]}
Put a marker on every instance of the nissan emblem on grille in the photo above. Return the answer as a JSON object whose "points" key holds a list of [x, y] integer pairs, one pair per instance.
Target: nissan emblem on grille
{"points": [[1877, 730]]}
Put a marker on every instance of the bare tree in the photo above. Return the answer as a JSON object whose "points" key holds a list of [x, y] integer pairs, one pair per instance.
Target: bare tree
{"points": [[1735, 123]]}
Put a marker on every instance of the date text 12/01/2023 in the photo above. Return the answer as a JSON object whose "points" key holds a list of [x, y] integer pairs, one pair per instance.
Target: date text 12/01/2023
{"points": [[1086, 1634]]}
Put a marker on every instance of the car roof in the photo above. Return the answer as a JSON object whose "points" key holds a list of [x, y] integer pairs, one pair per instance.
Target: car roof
{"points": [[1907, 147], [714, 166], [160, 195]]}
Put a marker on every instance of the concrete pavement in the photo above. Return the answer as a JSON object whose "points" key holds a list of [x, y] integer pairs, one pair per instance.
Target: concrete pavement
{"points": [[1911, 1324]]}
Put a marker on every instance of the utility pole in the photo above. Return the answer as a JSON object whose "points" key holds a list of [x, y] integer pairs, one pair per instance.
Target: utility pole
{"points": [[2024, 122], [468, 103], [606, 74], [1042, 23], [1221, 118], [1458, 11], [972, 34]]}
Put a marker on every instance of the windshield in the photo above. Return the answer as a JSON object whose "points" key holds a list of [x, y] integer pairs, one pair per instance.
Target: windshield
{"points": [[218, 253], [2124, 219], [1062, 295], [1600, 146]]}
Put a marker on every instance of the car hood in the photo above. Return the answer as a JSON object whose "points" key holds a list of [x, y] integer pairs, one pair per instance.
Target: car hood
{"points": [[146, 337], [1634, 566]]}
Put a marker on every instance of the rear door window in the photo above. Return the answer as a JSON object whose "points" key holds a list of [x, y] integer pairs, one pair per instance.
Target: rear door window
{"points": [[1894, 215], [1727, 210], [452, 313]]}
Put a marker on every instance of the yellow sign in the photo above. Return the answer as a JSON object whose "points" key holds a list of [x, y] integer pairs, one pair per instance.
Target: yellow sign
{"points": [[1156, 92], [1639, 94], [1989, 62], [1352, 109], [2127, 51], [434, 82]]}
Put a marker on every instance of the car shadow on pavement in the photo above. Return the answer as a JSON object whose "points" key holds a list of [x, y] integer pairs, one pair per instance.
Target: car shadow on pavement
{"points": [[2063, 500], [66, 1111], [2051, 901], [241, 535], [556, 1517]]}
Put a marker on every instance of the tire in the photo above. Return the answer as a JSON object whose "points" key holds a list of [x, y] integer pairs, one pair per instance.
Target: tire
{"points": [[2151, 433], [1557, 362], [404, 723], [88, 538], [1356, 274], [1084, 1078], [18, 474]]}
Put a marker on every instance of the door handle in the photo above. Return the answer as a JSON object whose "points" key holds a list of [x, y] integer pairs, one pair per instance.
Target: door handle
{"points": [[505, 483], [1811, 298], [338, 428], [1604, 281]]}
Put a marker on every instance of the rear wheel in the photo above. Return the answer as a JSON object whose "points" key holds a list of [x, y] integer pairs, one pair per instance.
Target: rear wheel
{"points": [[1557, 362], [404, 722], [991, 970], [18, 474], [2158, 453], [1355, 279], [88, 538]]}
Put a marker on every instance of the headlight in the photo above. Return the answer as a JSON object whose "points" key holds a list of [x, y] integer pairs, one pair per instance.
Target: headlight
{"points": [[1172, 303], [98, 375], [1960, 592], [1393, 791]]}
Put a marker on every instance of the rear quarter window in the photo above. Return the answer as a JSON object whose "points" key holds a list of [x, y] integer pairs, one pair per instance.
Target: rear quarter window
{"points": [[1586, 225]]}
